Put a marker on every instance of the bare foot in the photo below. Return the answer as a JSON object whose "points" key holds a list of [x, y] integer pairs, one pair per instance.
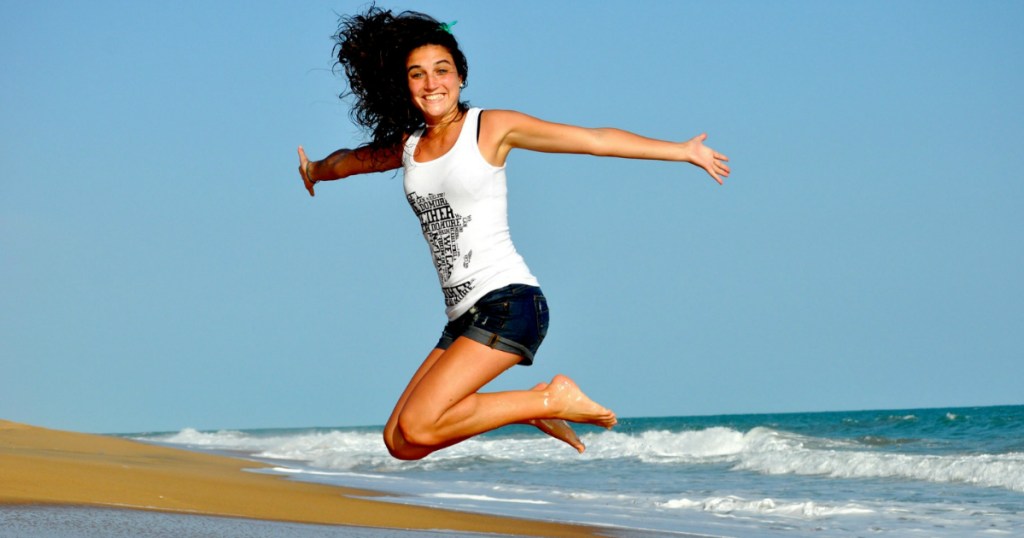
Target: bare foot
{"points": [[557, 428], [569, 403]]}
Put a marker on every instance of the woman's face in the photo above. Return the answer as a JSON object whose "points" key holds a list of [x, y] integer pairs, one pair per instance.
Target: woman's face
{"points": [[433, 82]]}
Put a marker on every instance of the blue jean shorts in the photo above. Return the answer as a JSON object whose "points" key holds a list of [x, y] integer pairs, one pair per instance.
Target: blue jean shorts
{"points": [[512, 319]]}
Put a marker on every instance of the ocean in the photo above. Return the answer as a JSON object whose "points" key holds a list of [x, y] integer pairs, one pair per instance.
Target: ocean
{"points": [[918, 472]]}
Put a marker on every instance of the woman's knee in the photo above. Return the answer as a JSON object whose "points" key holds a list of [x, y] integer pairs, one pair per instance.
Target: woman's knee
{"points": [[417, 431], [400, 448]]}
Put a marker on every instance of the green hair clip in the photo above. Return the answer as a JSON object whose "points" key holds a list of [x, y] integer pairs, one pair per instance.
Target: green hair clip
{"points": [[447, 26]]}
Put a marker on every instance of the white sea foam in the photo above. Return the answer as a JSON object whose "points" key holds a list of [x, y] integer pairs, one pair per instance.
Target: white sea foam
{"points": [[225, 439], [487, 498], [733, 505], [311, 472], [326, 450], [773, 452], [768, 451], [761, 450], [668, 447]]}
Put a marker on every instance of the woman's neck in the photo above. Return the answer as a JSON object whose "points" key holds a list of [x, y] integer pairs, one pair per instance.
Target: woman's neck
{"points": [[442, 125]]}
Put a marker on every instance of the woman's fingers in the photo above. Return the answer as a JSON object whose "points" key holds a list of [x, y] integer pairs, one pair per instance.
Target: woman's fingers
{"points": [[303, 169]]}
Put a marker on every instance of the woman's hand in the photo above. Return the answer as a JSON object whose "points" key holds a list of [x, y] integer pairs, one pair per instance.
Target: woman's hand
{"points": [[710, 160], [304, 171]]}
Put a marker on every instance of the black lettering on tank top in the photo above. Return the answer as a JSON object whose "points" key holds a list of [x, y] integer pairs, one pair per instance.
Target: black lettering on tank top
{"points": [[454, 294], [441, 227]]}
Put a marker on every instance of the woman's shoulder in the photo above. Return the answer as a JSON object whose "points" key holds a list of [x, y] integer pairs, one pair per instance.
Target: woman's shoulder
{"points": [[500, 119], [501, 122], [497, 112], [493, 131]]}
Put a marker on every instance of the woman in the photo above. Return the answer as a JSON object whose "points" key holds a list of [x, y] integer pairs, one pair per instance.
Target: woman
{"points": [[406, 72]]}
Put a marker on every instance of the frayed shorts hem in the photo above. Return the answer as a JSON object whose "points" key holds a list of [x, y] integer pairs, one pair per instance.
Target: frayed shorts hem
{"points": [[495, 341]]}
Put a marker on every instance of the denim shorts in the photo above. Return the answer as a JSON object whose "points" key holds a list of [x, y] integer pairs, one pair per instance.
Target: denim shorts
{"points": [[512, 319]]}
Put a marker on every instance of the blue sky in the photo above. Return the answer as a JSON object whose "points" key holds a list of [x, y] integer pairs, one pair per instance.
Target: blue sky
{"points": [[161, 266]]}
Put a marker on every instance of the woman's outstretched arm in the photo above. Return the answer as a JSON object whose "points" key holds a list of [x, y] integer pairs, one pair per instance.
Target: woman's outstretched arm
{"points": [[507, 130], [346, 162]]}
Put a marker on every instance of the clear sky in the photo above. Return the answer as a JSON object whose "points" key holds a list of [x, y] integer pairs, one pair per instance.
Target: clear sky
{"points": [[162, 267]]}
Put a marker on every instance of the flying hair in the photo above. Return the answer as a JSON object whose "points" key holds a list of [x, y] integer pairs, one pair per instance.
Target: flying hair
{"points": [[372, 49]]}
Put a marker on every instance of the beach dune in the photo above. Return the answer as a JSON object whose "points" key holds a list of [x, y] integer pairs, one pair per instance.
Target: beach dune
{"points": [[50, 467]]}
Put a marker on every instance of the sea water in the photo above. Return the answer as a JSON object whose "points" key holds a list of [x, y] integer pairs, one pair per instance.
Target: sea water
{"points": [[921, 472]]}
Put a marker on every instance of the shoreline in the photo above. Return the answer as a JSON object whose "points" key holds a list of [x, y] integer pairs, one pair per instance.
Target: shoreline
{"points": [[52, 468]]}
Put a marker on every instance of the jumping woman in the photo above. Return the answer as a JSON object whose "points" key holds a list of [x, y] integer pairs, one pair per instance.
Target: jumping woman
{"points": [[405, 72]]}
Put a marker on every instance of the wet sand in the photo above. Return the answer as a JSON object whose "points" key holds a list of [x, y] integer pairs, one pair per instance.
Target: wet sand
{"points": [[49, 521], [56, 482]]}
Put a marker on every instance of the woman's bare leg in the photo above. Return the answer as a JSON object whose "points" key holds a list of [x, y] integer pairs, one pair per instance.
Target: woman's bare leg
{"points": [[397, 445], [400, 448], [441, 405]]}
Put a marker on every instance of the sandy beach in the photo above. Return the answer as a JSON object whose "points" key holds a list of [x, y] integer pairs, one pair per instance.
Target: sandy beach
{"points": [[43, 469]]}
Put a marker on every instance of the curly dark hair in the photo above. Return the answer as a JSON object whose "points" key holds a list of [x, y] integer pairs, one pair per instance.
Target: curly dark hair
{"points": [[372, 48]]}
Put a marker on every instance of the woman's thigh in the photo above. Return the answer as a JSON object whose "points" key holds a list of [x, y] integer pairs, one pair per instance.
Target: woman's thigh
{"points": [[392, 423], [463, 369]]}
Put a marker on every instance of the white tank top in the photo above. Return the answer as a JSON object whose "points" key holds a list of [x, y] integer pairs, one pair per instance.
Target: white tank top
{"points": [[461, 201]]}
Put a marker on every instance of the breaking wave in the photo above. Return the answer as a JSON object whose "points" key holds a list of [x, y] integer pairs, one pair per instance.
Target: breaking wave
{"points": [[762, 450]]}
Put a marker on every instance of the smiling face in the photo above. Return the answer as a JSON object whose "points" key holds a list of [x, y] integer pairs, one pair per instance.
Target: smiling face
{"points": [[433, 83]]}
